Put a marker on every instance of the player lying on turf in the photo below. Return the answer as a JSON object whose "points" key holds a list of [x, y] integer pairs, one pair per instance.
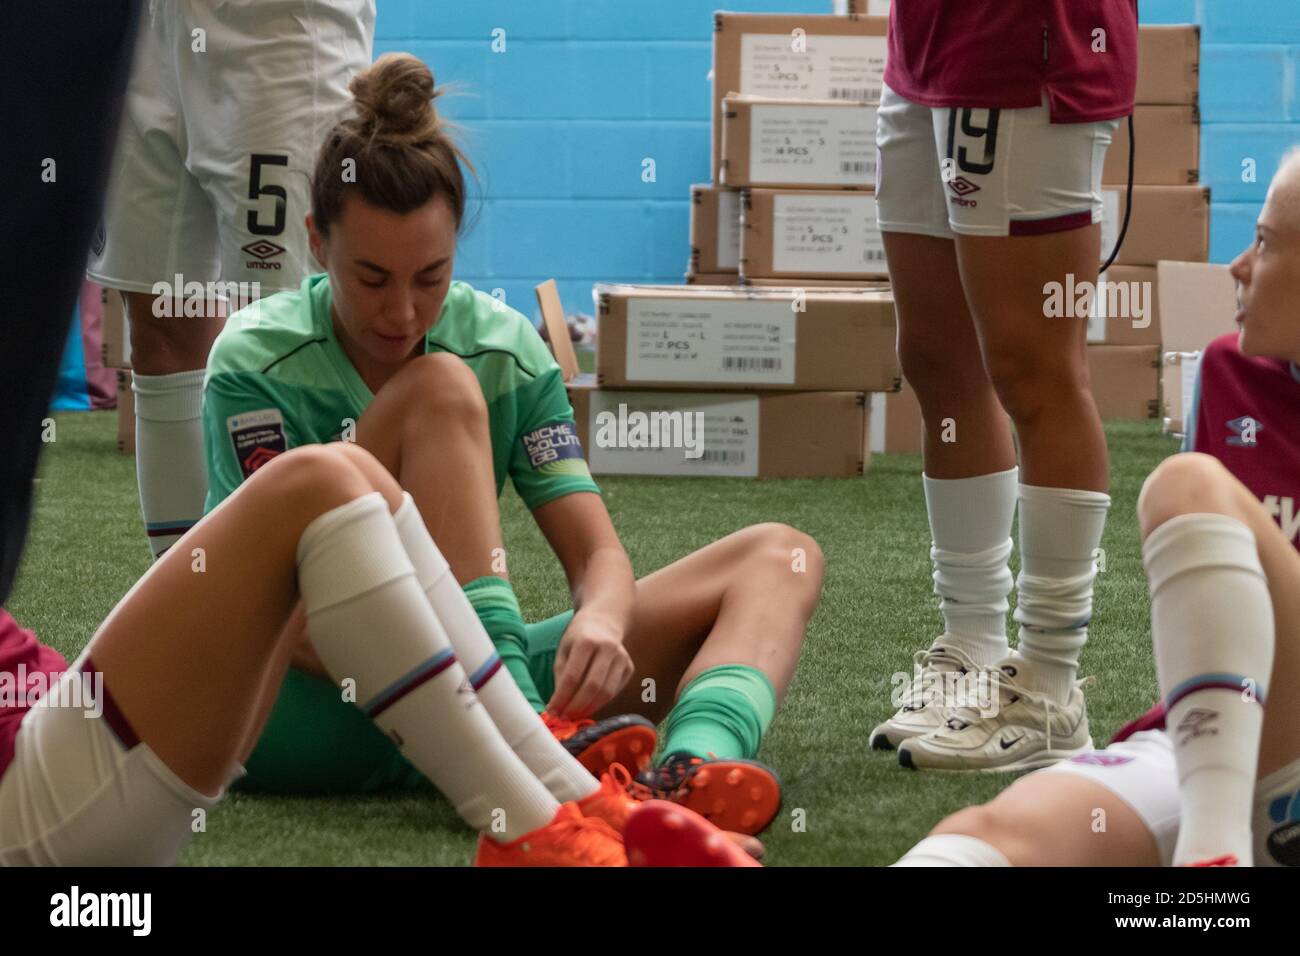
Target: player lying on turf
{"points": [[191, 661], [453, 392], [1212, 773]]}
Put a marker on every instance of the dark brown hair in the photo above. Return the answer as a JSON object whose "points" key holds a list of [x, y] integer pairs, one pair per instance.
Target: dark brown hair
{"points": [[402, 151]]}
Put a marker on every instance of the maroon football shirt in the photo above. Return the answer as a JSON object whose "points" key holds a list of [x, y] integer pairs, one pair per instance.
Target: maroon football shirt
{"points": [[1009, 53]]}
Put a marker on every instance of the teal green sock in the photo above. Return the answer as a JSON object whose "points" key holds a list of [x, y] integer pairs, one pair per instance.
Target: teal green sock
{"points": [[723, 712], [493, 599]]}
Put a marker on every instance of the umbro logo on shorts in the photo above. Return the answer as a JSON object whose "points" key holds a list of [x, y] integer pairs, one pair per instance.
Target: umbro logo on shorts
{"points": [[262, 249], [962, 186]]}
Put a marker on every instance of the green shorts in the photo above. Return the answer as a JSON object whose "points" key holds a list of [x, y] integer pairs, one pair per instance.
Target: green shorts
{"points": [[316, 743]]}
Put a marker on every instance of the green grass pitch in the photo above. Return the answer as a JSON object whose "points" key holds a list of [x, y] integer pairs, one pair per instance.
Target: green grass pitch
{"points": [[87, 547]]}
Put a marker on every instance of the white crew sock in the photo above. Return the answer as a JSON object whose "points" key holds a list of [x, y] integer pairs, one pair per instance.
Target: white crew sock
{"points": [[169, 463], [1060, 531], [510, 711], [953, 849], [369, 621], [970, 524], [1212, 626]]}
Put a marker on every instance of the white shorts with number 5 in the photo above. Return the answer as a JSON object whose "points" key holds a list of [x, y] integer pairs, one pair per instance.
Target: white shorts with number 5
{"points": [[226, 108], [985, 172]]}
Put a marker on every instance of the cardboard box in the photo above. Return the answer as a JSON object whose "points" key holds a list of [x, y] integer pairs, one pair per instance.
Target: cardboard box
{"points": [[740, 434], [1177, 386], [1198, 302], [715, 229], [795, 56], [1169, 64], [896, 425], [125, 413], [712, 278], [827, 144], [688, 337], [1125, 308], [115, 344], [874, 8], [1125, 380], [1169, 147], [802, 283], [800, 233], [1168, 222]]}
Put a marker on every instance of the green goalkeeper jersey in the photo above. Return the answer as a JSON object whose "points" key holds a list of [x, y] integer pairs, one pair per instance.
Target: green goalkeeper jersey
{"points": [[277, 378]]}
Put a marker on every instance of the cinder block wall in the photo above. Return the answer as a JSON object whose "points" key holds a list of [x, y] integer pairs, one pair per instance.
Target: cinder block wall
{"points": [[560, 124], [565, 104]]}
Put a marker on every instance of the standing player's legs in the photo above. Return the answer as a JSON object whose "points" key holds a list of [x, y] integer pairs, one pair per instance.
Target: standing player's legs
{"points": [[189, 673], [969, 459], [1038, 228], [1025, 203], [1225, 613], [63, 66], [160, 237]]}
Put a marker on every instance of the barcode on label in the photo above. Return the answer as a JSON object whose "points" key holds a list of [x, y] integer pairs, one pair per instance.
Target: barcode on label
{"points": [[855, 166], [736, 363], [874, 255], [723, 457], [856, 93]]}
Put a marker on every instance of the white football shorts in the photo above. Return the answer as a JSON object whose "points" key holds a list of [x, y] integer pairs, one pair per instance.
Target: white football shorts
{"points": [[77, 795], [227, 106], [985, 172], [1141, 772]]}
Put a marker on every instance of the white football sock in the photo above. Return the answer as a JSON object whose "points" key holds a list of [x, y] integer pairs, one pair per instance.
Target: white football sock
{"points": [[1060, 531], [169, 463], [510, 711], [1212, 626], [369, 622], [953, 849], [970, 524]]}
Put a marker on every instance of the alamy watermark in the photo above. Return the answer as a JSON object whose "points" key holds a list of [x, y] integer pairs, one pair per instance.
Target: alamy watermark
{"points": [[655, 429], [77, 690]]}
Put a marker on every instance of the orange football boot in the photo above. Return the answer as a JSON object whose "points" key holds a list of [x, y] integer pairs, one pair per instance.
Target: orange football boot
{"points": [[738, 795], [569, 840], [614, 802], [628, 739]]}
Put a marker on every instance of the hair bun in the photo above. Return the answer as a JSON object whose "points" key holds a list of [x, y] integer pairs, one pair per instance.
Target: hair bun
{"points": [[394, 99]]}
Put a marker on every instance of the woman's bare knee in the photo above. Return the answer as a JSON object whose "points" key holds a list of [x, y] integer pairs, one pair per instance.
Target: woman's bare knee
{"points": [[1186, 484]]}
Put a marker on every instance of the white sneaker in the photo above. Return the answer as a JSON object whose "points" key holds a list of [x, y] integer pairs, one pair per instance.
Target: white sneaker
{"points": [[1024, 731], [923, 703]]}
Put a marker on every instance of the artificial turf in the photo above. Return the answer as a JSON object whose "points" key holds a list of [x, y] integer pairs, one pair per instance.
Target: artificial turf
{"points": [[87, 547]]}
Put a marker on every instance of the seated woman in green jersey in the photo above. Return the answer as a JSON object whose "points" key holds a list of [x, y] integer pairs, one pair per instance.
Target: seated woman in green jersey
{"points": [[453, 391]]}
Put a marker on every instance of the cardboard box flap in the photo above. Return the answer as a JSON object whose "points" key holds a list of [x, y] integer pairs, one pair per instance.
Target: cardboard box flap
{"points": [[1198, 301], [557, 330]]}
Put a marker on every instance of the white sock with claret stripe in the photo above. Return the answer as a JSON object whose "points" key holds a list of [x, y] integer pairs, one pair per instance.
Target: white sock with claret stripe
{"points": [[514, 716], [1212, 627], [170, 466], [1060, 531], [970, 527], [370, 622]]}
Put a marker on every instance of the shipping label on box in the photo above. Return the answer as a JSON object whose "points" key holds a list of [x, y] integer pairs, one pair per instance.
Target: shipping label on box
{"points": [[680, 340], [728, 241], [812, 66], [666, 433], [812, 145], [829, 233]]}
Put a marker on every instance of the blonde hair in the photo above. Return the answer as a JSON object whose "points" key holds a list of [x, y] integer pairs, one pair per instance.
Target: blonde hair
{"points": [[402, 153]]}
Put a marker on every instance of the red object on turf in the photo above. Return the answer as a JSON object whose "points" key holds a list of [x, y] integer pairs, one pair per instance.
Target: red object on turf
{"points": [[660, 833]]}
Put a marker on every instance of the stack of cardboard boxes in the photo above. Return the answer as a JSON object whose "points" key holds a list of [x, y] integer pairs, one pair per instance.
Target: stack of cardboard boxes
{"points": [[1170, 220], [116, 344]]}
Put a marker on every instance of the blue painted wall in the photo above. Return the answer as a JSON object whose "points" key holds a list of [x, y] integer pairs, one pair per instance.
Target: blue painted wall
{"points": [[558, 126], [1250, 102], [561, 120]]}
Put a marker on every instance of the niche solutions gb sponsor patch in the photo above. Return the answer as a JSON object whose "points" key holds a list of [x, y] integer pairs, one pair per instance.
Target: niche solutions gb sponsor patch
{"points": [[551, 443]]}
